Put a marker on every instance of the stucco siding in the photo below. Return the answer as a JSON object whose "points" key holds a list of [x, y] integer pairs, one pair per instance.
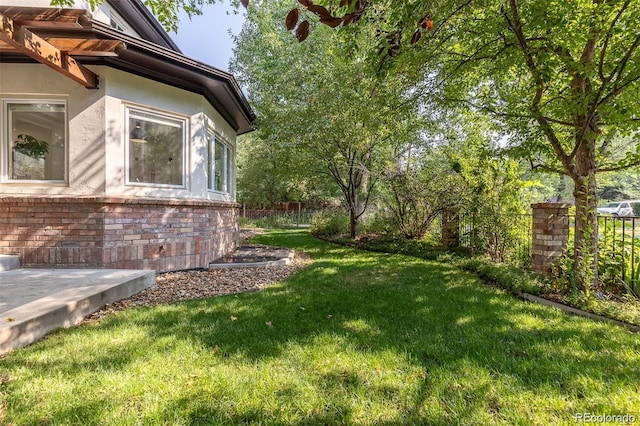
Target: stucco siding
{"points": [[86, 115], [97, 142], [132, 173], [126, 90]]}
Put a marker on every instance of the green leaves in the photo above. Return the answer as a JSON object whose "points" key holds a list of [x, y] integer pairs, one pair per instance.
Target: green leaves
{"points": [[319, 103], [31, 146]]}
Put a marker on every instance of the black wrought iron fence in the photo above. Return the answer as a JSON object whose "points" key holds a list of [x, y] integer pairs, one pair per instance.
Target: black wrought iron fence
{"points": [[619, 252], [276, 218], [505, 238]]}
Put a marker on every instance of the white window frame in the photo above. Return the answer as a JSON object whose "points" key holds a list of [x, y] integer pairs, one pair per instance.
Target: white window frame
{"points": [[6, 129], [168, 116], [228, 162], [115, 22]]}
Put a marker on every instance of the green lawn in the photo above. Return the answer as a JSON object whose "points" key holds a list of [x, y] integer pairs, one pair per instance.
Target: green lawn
{"points": [[356, 338]]}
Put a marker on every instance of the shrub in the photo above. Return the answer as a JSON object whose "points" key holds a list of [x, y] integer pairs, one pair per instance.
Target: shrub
{"points": [[504, 275], [513, 278], [245, 222], [329, 223], [377, 223]]}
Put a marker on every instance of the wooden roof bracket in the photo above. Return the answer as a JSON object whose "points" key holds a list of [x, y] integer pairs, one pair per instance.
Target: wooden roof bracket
{"points": [[44, 52]]}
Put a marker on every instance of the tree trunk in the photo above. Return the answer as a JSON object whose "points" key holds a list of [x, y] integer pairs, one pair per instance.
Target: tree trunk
{"points": [[353, 221], [585, 266], [353, 212]]}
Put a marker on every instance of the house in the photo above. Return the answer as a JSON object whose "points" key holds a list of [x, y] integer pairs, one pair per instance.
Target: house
{"points": [[116, 150]]}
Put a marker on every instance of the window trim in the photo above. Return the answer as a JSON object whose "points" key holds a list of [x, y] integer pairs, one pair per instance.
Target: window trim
{"points": [[161, 114], [4, 145]]}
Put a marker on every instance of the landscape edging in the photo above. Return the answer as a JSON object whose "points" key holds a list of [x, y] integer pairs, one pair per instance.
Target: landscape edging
{"points": [[575, 311]]}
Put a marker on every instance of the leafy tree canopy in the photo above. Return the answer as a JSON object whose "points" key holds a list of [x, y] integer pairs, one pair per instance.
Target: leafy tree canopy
{"points": [[323, 100], [562, 75], [166, 11]]}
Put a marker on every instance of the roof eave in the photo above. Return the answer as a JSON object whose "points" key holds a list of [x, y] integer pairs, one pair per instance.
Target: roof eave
{"points": [[220, 88], [140, 18], [68, 39]]}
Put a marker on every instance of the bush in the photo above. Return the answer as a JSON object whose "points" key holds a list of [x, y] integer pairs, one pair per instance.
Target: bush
{"points": [[504, 275], [245, 222], [329, 223], [377, 223]]}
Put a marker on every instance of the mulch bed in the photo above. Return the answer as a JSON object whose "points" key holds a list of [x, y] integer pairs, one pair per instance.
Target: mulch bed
{"points": [[200, 284]]}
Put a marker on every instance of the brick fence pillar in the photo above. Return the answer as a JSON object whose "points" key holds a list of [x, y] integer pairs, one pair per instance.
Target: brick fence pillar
{"points": [[550, 234], [451, 227]]}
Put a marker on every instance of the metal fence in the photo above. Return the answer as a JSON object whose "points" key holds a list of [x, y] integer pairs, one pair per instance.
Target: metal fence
{"points": [[619, 251], [276, 218], [505, 238], [508, 238]]}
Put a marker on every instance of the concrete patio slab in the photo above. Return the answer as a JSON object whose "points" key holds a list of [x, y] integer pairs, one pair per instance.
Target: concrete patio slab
{"points": [[9, 262], [35, 301]]}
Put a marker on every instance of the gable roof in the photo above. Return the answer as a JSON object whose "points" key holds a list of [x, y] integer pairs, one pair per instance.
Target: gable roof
{"points": [[68, 39], [145, 24]]}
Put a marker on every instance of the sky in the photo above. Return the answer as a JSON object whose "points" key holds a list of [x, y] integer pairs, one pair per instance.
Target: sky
{"points": [[206, 37]]}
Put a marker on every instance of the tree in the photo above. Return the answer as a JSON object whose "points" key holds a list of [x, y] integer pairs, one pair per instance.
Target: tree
{"points": [[270, 171], [563, 75], [323, 100], [166, 11]]}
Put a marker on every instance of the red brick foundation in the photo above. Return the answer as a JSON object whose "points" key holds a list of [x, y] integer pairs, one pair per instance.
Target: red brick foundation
{"points": [[117, 232]]}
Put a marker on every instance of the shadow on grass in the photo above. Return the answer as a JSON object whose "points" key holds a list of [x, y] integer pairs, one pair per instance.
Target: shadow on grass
{"points": [[441, 321]]}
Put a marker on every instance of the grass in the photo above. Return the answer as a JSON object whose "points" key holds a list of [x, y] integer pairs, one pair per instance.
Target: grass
{"points": [[356, 338], [507, 276]]}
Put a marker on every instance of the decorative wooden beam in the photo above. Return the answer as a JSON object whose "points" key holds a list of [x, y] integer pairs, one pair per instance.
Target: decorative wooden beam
{"points": [[24, 15], [57, 25], [86, 46], [59, 60], [44, 52]]}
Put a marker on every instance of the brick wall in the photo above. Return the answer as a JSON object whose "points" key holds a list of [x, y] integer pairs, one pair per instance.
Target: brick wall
{"points": [[550, 234], [450, 227], [117, 232]]}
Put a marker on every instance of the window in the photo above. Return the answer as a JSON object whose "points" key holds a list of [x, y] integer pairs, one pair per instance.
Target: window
{"points": [[229, 173], [115, 23], [156, 148], [220, 160], [36, 140]]}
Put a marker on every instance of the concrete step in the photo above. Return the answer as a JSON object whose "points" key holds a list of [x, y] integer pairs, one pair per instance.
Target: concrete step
{"points": [[9, 262], [34, 302]]}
